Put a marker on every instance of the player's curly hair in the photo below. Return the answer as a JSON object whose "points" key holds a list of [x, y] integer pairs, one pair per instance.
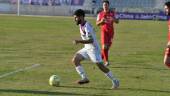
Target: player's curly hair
{"points": [[79, 12], [167, 4], [106, 1]]}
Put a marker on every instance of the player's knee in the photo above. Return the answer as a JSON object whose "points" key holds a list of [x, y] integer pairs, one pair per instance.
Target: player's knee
{"points": [[73, 60], [105, 47], [76, 59]]}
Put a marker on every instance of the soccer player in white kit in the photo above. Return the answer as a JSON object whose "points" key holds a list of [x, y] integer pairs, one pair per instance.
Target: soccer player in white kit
{"points": [[90, 51]]}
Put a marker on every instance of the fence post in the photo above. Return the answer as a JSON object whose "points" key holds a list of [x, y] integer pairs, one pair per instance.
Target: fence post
{"points": [[18, 7]]}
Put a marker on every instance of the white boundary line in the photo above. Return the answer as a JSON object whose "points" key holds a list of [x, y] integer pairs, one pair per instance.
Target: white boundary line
{"points": [[19, 70]]}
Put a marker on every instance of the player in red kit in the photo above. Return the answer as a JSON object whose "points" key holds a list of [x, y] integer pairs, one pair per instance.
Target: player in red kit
{"points": [[106, 20], [167, 51]]}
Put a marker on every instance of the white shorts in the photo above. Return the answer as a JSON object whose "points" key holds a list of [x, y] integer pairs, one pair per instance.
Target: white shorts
{"points": [[92, 54]]}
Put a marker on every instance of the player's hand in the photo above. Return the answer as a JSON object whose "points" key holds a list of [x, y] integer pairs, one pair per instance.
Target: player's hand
{"points": [[103, 20], [75, 42]]}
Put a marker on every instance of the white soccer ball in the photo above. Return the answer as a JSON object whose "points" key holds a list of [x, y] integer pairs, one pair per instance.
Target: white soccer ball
{"points": [[54, 80]]}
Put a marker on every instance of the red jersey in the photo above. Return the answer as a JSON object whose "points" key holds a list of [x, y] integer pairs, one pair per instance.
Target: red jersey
{"points": [[169, 30], [109, 16], [167, 51]]}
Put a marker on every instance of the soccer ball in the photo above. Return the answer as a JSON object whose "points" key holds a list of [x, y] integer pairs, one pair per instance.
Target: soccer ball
{"points": [[54, 80]]}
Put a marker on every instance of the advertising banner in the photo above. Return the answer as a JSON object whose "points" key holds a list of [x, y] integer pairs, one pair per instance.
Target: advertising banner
{"points": [[141, 16], [51, 2]]}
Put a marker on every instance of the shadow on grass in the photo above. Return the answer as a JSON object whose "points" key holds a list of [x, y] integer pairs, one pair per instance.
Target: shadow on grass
{"points": [[120, 89], [157, 69], [86, 87], [39, 92], [145, 90], [36, 92], [76, 94]]}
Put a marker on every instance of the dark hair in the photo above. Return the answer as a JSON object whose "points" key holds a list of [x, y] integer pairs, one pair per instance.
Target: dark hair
{"points": [[106, 1], [167, 4], [79, 12]]}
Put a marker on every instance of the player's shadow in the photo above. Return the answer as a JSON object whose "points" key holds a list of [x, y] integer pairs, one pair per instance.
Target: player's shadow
{"points": [[132, 67], [39, 92], [121, 89], [145, 90], [83, 87], [76, 94]]}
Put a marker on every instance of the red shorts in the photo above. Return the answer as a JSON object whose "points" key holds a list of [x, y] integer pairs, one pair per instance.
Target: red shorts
{"points": [[106, 38]]}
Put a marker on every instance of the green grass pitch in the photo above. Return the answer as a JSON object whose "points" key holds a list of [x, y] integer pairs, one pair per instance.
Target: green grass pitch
{"points": [[136, 58]]}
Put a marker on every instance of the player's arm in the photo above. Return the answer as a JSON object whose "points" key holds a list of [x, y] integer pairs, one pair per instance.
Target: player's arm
{"points": [[100, 21], [83, 41]]}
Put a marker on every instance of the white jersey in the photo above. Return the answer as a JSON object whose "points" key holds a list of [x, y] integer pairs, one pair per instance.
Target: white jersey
{"points": [[91, 50], [88, 32]]}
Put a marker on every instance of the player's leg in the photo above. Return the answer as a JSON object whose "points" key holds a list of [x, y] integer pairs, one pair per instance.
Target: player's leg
{"points": [[109, 74], [104, 48], [78, 57], [95, 56], [167, 57], [106, 43], [105, 53]]}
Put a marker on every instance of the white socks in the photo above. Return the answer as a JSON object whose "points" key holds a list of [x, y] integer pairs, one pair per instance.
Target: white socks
{"points": [[110, 75], [81, 72]]}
